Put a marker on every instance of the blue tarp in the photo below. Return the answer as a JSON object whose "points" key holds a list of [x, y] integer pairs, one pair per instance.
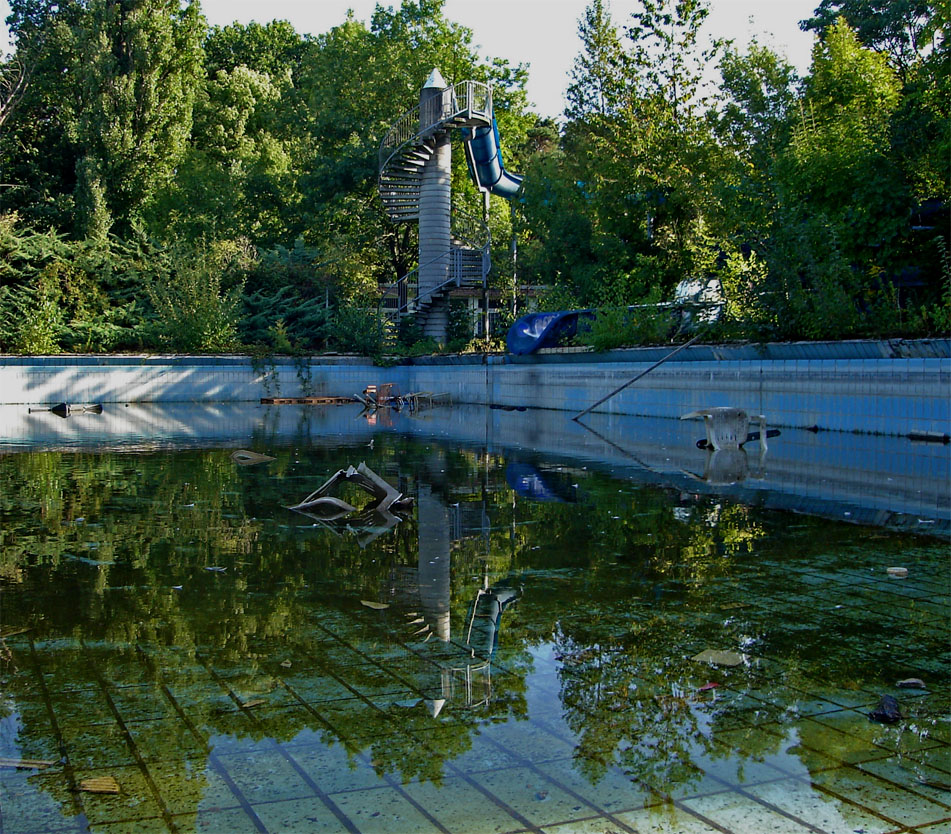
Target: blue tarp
{"points": [[542, 330]]}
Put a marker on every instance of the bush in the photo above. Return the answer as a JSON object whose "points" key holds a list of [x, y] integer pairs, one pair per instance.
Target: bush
{"points": [[356, 329], [195, 309], [615, 327]]}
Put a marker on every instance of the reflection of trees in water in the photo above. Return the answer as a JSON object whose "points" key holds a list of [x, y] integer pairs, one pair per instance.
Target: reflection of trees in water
{"points": [[628, 584], [114, 552]]}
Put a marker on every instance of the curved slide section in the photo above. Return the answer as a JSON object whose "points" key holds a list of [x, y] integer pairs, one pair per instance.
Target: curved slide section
{"points": [[543, 330], [484, 154]]}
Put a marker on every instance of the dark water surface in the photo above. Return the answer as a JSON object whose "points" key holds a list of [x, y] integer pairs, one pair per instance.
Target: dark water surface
{"points": [[517, 653]]}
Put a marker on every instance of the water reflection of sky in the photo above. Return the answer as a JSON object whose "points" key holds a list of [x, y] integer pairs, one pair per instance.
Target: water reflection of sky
{"points": [[500, 660]]}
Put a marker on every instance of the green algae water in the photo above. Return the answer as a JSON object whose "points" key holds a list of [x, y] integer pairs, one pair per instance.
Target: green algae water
{"points": [[536, 644]]}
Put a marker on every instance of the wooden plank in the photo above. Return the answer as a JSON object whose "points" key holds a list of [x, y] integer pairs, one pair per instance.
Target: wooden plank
{"points": [[26, 764], [306, 400], [99, 784]]}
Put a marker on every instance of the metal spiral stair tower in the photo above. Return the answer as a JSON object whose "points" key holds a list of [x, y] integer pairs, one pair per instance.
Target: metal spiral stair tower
{"points": [[414, 185]]}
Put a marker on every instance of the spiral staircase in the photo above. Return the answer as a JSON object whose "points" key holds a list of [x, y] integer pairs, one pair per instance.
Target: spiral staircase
{"points": [[404, 152]]}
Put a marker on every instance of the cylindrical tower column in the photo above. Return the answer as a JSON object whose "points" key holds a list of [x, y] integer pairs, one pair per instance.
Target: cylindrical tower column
{"points": [[434, 562], [435, 198]]}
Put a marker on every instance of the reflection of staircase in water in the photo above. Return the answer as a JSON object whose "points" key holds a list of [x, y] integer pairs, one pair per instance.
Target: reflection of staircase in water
{"points": [[460, 669]]}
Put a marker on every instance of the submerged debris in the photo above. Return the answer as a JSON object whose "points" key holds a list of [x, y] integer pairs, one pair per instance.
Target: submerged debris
{"points": [[27, 764], [99, 784], [364, 477], [886, 711], [387, 509], [718, 658]]}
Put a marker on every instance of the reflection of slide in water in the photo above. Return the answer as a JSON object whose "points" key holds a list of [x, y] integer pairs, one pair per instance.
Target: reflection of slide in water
{"points": [[544, 330], [535, 485], [485, 613]]}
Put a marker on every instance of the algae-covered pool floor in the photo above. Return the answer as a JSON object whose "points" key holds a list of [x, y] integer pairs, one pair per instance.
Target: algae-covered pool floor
{"points": [[502, 658]]}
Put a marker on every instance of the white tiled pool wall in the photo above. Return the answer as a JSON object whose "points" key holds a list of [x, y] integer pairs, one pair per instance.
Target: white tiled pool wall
{"points": [[870, 387]]}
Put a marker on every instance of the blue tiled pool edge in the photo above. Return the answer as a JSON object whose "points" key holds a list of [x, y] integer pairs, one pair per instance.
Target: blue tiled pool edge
{"points": [[894, 386]]}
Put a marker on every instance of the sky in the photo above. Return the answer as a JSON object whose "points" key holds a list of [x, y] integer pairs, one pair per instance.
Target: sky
{"points": [[540, 33]]}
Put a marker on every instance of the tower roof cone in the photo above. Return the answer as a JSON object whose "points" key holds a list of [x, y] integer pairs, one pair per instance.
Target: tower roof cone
{"points": [[435, 80]]}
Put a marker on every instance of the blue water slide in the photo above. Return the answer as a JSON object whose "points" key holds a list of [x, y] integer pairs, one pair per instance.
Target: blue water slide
{"points": [[544, 330], [484, 154]]}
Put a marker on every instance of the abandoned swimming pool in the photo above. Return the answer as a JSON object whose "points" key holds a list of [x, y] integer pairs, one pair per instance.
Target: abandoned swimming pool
{"points": [[590, 631]]}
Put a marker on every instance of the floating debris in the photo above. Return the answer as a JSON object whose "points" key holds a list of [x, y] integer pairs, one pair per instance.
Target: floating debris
{"points": [[911, 683], [718, 658], [376, 606], [27, 764], [216, 569], [898, 573], [286, 664], [707, 686], [728, 428], [306, 400], [254, 702], [65, 409], [246, 458]]}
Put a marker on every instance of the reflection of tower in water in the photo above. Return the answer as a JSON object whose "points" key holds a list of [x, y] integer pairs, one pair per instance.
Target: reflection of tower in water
{"points": [[454, 668], [434, 563]]}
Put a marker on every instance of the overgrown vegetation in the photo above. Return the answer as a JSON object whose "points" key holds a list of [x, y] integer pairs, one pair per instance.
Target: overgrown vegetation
{"points": [[170, 186]]}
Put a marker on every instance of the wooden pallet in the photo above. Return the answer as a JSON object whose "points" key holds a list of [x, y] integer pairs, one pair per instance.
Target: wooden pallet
{"points": [[306, 400]]}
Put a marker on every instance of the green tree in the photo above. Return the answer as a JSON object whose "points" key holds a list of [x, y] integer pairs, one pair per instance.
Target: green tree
{"points": [[902, 30], [240, 173], [597, 79], [137, 65], [637, 160], [37, 158]]}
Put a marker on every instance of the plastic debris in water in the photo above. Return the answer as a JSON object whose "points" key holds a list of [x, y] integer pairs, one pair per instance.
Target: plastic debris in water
{"points": [[246, 458], [898, 573]]}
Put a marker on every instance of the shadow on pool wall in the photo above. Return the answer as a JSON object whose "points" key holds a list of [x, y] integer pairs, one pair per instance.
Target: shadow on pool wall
{"points": [[876, 387], [873, 479]]}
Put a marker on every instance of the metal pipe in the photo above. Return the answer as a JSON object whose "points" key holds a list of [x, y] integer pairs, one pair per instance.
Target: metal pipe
{"points": [[659, 362]]}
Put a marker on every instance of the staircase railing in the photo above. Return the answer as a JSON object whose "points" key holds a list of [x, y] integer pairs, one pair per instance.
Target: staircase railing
{"points": [[467, 98], [473, 241]]}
